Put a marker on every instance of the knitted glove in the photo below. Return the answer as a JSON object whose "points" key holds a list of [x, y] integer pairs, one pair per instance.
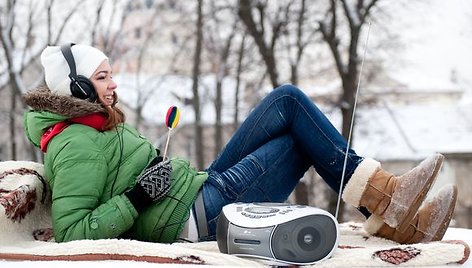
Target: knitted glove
{"points": [[152, 185]]}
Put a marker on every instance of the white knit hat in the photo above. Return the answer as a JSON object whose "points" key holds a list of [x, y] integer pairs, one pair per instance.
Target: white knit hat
{"points": [[87, 59]]}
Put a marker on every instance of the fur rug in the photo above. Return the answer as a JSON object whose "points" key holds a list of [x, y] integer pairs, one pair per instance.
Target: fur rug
{"points": [[26, 234]]}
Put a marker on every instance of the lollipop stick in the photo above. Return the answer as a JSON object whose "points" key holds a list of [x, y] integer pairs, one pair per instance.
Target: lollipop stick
{"points": [[167, 143]]}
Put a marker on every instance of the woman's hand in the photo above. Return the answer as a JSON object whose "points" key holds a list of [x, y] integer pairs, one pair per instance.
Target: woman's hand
{"points": [[153, 184], [155, 179]]}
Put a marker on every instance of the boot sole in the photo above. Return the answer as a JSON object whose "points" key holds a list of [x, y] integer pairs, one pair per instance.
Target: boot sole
{"points": [[442, 228], [403, 222]]}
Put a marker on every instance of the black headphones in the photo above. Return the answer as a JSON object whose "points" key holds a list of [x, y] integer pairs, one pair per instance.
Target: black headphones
{"points": [[80, 86]]}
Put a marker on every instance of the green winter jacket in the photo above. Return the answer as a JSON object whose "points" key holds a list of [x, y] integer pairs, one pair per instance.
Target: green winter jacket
{"points": [[81, 166]]}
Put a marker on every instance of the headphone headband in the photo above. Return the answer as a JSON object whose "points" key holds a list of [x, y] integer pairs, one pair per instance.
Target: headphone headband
{"points": [[66, 50]]}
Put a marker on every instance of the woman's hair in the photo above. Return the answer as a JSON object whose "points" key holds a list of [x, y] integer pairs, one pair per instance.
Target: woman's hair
{"points": [[115, 115]]}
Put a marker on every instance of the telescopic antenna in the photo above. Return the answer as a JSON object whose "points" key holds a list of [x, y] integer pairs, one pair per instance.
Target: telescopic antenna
{"points": [[352, 123]]}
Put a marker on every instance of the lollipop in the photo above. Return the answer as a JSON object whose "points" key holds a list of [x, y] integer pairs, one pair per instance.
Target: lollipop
{"points": [[172, 119]]}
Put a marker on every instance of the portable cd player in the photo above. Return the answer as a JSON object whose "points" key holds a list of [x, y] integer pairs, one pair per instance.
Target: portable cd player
{"points": [[277, 232]]}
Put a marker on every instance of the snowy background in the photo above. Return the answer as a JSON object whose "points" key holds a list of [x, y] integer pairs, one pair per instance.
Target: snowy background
{"points": [[438, 42], [436, 56]]}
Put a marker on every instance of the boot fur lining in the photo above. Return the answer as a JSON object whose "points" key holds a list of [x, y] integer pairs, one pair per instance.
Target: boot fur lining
{"points": [[372, 224], [356, 186]]}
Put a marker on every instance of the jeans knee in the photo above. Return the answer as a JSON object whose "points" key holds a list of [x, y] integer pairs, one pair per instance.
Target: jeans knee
{"points": [[289, 88]]}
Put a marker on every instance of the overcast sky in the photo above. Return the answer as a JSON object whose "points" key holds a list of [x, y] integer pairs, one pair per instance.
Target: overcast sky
{"points": [[437, 39]]}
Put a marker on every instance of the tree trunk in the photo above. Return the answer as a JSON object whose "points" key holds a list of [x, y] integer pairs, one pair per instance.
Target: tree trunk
{"points": [[238, 82], [300, 45], [222, 73], [266, 51], [14, 79], [218, 115], [347, 102], [196, 99], [348, 71], [12, 122]]}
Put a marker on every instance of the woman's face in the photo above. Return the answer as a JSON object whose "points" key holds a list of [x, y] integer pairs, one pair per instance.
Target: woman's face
{"points": [[103, 83]]}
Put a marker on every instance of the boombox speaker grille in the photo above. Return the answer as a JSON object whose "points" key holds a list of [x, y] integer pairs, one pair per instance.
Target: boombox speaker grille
{"points": [[304, 240]]}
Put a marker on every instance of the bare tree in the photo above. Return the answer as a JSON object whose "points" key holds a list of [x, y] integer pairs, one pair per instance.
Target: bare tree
{"points": [[290, 28], [347, 67], [222, 72], [218, 44], [51, 40], [16, 83], [112, 40], [20, 51], [23, 37], [195, 84], [346, 56], [299, 34], [302, 36], [237, 90], [143, 93], [257, 29], [96, 23]]}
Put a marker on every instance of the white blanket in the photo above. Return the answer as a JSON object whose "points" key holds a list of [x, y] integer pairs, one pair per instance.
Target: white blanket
{"points": [[26, 234]]}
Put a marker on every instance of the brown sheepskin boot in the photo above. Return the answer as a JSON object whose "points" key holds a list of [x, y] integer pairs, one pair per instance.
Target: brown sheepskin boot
{"points": [[395, 199], [429, 224]]}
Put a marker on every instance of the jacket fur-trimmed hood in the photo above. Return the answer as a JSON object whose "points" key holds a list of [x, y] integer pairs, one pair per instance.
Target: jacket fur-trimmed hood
{"points": [[42, 99], [48, 109]]}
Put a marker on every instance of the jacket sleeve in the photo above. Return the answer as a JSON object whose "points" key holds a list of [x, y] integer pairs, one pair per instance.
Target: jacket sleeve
{"points": [[79, 176]]}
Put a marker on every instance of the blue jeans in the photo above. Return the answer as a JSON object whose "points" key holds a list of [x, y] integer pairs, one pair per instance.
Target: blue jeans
{"points": [[281, 138]]}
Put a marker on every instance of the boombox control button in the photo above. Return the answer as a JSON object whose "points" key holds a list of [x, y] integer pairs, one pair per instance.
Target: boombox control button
{"points": [[245, 214], [251, 216], [283, 212], [261, 210], [255, 216]]}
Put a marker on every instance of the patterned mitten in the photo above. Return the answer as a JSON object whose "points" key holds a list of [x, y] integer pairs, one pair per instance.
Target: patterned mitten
{"points": [[153, 184]]}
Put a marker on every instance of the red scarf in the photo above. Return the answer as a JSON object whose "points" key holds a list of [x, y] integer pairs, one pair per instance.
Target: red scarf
{"points": [[96, 121]]}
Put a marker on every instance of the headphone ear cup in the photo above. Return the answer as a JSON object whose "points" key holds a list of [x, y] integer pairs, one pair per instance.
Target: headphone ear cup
{"points": [[83, 89]]}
